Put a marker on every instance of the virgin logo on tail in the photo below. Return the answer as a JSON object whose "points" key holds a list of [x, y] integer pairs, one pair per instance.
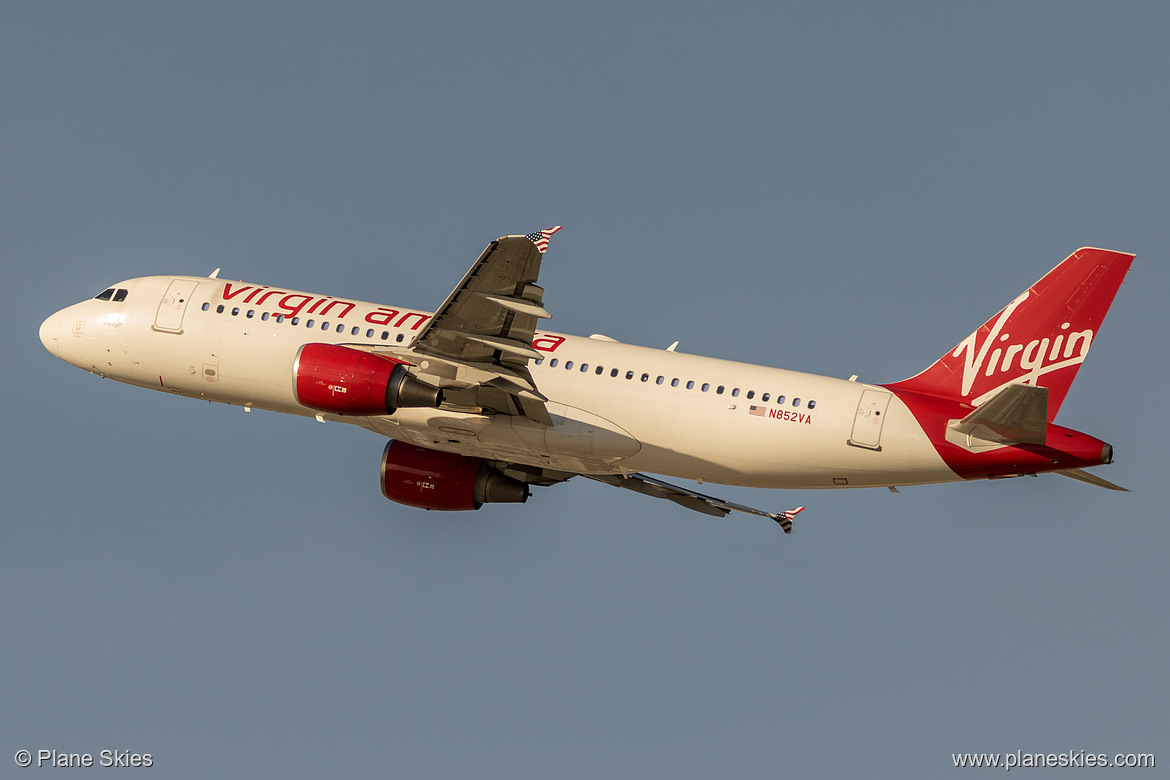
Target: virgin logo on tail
{"points": [[1037, 358], [1045, 330]]}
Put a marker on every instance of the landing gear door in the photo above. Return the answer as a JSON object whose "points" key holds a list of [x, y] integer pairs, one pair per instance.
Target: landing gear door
{"points": [[871, 414], [169, 317]]}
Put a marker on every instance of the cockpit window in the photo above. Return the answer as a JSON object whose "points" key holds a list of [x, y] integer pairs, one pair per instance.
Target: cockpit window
{"points": [[105, 295], [120, 296]]}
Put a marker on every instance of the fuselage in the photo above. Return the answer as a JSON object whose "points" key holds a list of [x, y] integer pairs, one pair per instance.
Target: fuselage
{"points": [[616, 407]]}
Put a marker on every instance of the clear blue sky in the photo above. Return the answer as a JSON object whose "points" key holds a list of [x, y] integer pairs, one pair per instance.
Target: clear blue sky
{"points": [[842, 188]]}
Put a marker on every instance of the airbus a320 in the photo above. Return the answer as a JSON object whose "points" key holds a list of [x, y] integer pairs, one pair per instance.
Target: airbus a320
{"points": [[479, 405]]}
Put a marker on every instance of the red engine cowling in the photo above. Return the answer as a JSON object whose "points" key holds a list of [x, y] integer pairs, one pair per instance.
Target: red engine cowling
{"points": [[430, 479], [350, 381]]}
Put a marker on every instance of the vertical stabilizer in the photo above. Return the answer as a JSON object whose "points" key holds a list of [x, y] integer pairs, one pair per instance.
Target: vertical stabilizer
{"points": [[1040, 338]]}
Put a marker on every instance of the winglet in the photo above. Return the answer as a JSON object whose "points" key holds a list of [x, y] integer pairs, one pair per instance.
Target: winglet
{"points": [[540, 238], [785, 518]]}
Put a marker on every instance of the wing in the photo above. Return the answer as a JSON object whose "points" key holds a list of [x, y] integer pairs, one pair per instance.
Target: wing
{"points": [[691, 499], [480, 340]]}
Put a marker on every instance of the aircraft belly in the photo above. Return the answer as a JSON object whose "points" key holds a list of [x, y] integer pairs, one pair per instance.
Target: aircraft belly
{"points": [[577, 440]]}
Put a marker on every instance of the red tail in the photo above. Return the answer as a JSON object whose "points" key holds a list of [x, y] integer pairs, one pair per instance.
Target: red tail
{"points": [[1040, 338]]}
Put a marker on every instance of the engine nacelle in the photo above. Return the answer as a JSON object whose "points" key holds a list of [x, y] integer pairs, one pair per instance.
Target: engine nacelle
{"points": [[349, 381], [430, 479]]}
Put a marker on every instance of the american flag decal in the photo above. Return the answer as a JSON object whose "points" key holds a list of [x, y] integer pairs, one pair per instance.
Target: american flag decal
{"points": [[757, 411], [541, 238]]}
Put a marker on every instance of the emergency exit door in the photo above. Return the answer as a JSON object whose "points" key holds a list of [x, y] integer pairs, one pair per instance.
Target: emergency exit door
{"points": [[169, 317], [871, 414]]}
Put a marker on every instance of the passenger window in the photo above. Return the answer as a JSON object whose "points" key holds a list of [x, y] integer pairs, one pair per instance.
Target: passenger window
{"points": [[539, 361], [324, 326], [690, 384], [658, 381], [308, 323], [295, 320], [340, 328], [280, 318], [568, 365], [735, 392], [250, 313], [764, 397], [796, 402], [629, 375], [600, 370], [235, 310], [104, 295], [399, 337], [812, 404], [206, 306], [370, 333], [385, 335], [613, 372], [674, 382], [719, 390], [553, 363], [751, 394], [264, 316], [779, 399], [584, 367], [705, 387], [645, 377]]}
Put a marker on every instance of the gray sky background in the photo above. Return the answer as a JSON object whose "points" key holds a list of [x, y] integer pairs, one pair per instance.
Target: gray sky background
{"points": [[848, 188]]}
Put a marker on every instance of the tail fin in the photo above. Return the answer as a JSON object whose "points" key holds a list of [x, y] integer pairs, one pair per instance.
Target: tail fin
{"points": [[1040, 338]]}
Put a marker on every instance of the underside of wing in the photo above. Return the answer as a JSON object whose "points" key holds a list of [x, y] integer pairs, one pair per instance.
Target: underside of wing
{"points": [[691, 499]]}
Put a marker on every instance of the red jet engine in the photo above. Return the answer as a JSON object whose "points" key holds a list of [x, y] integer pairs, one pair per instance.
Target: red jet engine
{"points": [[430, 479], [349, 381]]}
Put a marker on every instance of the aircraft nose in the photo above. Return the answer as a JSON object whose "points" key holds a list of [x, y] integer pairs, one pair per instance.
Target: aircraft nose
{"points": [[51, 332]]}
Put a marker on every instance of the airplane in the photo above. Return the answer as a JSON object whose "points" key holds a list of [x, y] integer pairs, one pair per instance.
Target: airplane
{"points": [[479, 405]]}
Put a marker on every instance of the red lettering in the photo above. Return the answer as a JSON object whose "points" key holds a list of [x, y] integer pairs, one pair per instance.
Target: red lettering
{"points": [[421, 319], [348, 308], [790, 416], [547, 343], [313, 308], [294, 309], [252, 294], [382, 316], [228, 294]]}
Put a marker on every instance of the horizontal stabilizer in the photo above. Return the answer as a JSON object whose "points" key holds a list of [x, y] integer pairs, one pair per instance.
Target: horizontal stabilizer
{"points": [[1017, 414], [1083, 476]]}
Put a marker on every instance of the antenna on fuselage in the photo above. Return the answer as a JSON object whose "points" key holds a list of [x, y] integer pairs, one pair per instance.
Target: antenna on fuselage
{"points": [[213, 274]]}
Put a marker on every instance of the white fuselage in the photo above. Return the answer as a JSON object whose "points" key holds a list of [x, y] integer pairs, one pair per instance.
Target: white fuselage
{"points": [[615, 407]]}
